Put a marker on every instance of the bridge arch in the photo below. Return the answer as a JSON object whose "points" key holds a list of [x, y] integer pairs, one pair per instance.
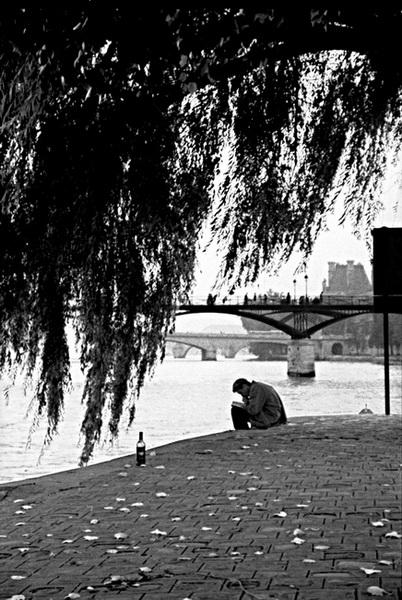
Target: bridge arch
{"points": [[280, 325], [229, 345], [337, 349]]}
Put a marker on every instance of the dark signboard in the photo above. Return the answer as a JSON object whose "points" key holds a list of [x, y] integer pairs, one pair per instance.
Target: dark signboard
{"points": [[387, 269]]}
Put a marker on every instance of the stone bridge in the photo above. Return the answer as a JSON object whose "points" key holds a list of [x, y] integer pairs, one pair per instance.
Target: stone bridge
{"points": [[229, 344]]}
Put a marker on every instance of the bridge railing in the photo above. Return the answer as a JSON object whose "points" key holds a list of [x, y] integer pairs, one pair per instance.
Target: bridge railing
{"points": [[264, 300]]}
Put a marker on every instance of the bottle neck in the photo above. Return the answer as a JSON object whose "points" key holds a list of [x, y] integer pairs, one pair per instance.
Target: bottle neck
{"points": [[141, 436]]}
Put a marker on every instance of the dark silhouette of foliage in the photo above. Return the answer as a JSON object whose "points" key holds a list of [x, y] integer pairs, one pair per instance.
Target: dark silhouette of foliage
{"points": [[114, 126]]}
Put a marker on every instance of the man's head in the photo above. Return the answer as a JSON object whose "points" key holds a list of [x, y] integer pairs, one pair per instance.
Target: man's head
{"points": [[242, 387]]}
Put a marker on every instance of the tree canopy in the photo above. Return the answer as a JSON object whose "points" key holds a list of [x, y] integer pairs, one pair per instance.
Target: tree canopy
{"points": [[124, 131]]}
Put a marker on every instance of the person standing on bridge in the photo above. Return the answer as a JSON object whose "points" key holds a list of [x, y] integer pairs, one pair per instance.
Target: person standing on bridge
{"points": [[261, 406]]}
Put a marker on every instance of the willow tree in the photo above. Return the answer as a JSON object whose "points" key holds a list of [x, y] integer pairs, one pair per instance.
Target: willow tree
{"points": [[123, 132]]}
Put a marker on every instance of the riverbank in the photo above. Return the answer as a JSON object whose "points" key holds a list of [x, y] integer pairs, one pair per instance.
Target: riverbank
{"points": [[184, 399], [349, 358], [308, 510]]}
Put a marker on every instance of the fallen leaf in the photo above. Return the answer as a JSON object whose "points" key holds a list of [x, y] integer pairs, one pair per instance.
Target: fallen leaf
{"points": [[282, 513], [120, 536], [137, 504], [94, 521], [124, 509], [393, 534], [309, 560], [112, 551], [158, 532], [161, 495], [108, 508], [120, 499], [370, 571], [385, 562], [297, 540], [176, 518], [298, 532], [160, 467], [123, 474], [17, 597], [206, 528], [190, 477], [73, 595], [91, 537], [377, 524], [68, 542], [145, 569], [115, 578], [26, 506], [321, 547], [18, 577], [373, 590]]}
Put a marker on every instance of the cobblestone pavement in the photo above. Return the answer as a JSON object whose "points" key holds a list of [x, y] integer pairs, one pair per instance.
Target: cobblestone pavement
{"points": [[309, 511]]}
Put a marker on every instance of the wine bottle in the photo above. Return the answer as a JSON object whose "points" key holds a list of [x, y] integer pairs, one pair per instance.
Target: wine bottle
{"points": [[141, 450]]}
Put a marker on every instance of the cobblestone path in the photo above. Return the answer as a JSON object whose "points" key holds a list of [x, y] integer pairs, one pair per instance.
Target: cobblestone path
{"points": [[308, 511]]}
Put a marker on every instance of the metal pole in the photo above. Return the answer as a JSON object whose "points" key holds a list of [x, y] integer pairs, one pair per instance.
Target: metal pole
{"points": [[386, 362], [294, 290]]}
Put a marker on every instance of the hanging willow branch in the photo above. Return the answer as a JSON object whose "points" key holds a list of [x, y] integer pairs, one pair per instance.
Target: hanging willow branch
{"points": [[121, 135]]}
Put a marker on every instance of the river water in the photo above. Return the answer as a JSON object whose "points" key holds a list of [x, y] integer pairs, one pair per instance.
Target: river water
{"points": [[186, 398]]}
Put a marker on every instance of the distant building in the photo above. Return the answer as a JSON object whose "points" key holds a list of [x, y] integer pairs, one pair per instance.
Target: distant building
{"points": [[349, 280], [346, 280]]}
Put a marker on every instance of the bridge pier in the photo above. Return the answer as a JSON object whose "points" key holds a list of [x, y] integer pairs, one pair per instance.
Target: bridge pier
{"points": [[208, 354], [301, 358]]}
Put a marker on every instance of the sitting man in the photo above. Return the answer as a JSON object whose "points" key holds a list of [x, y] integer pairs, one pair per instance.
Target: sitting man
{"points": [[261, 406]]}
